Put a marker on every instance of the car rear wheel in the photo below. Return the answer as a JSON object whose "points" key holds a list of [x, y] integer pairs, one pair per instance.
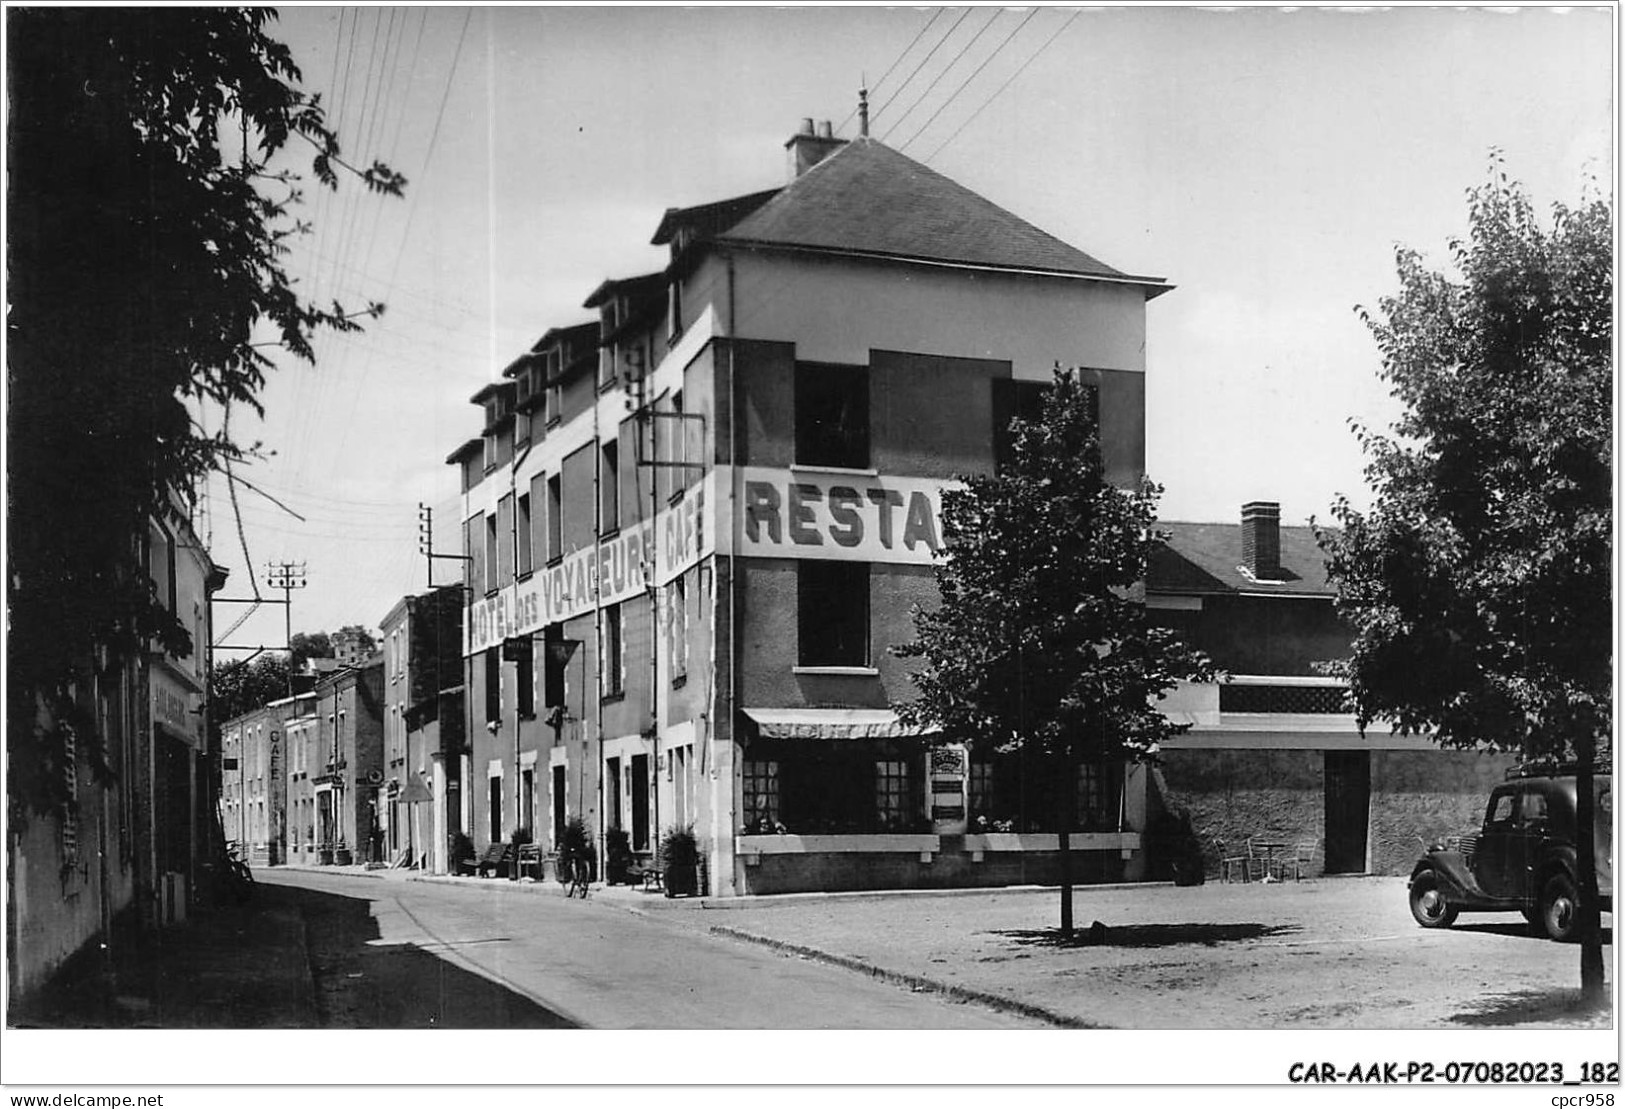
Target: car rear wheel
{"points": [[1560, 908], [1428, 903]]}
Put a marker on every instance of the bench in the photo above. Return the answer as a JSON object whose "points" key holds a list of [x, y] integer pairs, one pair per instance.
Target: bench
{"points": [[646, 873], [530, 857], [495, 860]]}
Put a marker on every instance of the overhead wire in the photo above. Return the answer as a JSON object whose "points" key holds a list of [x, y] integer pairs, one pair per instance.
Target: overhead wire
{"points": [[876, 114], [1031, 58], [412, 204], [935, 13], [943, 72], [997, 50]]}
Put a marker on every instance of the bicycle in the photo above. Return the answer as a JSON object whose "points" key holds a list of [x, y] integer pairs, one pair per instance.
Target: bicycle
{"points": [[228, 878], [579, 877]]}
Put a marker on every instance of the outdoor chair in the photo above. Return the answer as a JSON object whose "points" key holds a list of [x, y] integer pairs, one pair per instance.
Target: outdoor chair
{"points": [[1302, 857], [1229, 863], [494, 861]]}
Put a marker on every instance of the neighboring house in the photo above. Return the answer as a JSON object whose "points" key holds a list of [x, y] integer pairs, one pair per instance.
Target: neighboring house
{"points": [[1273, 753], [697, 525], [252, 790], [347, 775], [301, 745], [125, 852], [423, 720]]}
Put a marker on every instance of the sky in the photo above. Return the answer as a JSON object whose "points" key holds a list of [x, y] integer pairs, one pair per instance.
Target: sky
{"points": [[1265, 161]]}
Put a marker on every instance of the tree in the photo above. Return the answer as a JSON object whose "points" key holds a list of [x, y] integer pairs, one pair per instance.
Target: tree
{"points": [[1478, 583], [305, 646], [308, 645], [1041, 643], [240, 686], [146, 280]]}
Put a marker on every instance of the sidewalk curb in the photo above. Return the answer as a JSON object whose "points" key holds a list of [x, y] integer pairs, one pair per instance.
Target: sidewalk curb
{"points": [[914, 982]]}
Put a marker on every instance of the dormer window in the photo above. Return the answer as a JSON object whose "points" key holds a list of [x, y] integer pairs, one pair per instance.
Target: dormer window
{"points": [[555, 392]]}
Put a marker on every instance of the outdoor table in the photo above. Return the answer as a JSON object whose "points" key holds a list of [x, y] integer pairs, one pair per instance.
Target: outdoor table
{"points": [[1269, 847]]}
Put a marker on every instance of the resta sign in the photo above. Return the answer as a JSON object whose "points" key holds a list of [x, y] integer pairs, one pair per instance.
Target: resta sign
{"points": [[813, 514]]}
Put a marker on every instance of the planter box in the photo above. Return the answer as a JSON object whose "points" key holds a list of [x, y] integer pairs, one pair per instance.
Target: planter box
{"points": [[1124, 842], [750, 848]]}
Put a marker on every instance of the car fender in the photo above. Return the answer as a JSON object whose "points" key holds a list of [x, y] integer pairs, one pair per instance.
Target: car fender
{"points": [[1562, 859], [1455, 877]]}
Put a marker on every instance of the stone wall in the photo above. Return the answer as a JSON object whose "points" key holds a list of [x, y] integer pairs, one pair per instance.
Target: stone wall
{"points": [[1233, 794]]}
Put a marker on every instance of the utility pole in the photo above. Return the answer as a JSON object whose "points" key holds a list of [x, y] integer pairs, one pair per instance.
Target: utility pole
{"points": [[287, 576], [426, 542]]}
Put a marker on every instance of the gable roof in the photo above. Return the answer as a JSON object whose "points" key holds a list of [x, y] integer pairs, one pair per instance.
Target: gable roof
{"points": [[710, 219], [868, 199], [1206, 558]]}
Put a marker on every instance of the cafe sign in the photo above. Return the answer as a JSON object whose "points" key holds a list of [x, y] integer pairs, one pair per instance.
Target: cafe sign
{"points": [[644, 554]]}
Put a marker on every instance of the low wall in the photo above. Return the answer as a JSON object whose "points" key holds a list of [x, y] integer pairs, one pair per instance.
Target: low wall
{"points": [[800, 864]]}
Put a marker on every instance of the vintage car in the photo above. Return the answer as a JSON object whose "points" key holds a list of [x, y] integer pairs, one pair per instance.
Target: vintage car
{"points": [[1523, 860]]}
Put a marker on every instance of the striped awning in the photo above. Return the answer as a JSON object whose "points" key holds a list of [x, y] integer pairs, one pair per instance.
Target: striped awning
{"points": [[833, 724]]}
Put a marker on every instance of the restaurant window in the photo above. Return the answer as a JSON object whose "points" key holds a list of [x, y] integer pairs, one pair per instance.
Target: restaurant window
{"points": [[832, 415], [1097, 808], [981, 790], [832, 602], [896, 806], [761, 797]]}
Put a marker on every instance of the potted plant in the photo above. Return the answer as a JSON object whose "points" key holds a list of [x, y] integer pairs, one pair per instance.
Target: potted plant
{"points": [[680, 860], [576, 845], [462, 852], [617, 856]]}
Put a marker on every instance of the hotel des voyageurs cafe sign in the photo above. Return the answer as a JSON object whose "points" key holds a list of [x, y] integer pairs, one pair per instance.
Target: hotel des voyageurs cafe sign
{"points": [[782, 514]]}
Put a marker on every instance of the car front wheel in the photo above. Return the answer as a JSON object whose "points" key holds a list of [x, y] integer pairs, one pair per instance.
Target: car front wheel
{"points": [[1428, 903], [1560, 908]]}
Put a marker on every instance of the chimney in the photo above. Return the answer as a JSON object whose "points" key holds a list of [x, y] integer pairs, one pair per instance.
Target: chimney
{"points": [[808, 146], [1261, 540]]}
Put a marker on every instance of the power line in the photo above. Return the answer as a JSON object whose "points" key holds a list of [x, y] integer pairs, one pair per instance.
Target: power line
{"points": [[909, 79], [1004, 86], [997, 50], [941, 74], [917, 35]]}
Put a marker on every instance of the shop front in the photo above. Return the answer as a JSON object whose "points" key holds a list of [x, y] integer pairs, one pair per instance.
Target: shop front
{"points": [[850, 799]]}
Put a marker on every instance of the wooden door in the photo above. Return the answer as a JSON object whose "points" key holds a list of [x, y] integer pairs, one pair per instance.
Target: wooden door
{"points": [[1348, 803]]}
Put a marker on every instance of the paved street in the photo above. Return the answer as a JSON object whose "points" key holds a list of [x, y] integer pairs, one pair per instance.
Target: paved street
{"points": [[393, 954], [343, 950], [1329, 953]]}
